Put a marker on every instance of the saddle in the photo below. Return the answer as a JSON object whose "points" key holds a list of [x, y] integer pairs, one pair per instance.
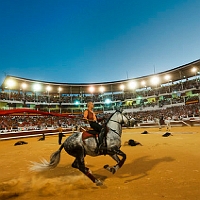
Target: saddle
{"points": [[89, 133], [100, 139]]}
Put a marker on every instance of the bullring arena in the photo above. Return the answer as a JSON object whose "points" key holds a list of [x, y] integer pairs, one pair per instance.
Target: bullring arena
{"points": [[163, 168], [159, 168]]}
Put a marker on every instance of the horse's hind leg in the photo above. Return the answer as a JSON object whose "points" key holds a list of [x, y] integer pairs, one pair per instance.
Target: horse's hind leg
{"points": [[75, 164], [80, 164]]}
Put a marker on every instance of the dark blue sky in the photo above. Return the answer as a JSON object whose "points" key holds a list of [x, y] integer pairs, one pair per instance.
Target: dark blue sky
{"points": [[96, 40]]}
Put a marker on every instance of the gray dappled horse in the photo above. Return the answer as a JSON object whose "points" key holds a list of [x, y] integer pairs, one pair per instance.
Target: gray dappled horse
{"points": [[75, 145]]}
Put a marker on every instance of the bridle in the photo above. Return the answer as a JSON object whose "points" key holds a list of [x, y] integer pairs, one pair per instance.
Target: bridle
{"points": [[122, 122]]}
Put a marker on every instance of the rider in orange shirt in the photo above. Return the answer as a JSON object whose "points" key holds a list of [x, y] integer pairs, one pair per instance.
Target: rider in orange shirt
{"points": [[91, 118]]}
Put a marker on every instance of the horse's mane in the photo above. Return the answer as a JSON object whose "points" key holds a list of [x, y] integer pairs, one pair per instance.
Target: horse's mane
{"points": [[111, 117]]}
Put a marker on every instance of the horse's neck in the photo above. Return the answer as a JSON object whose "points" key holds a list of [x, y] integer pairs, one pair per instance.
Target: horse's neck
{"points": [[115, 126]]}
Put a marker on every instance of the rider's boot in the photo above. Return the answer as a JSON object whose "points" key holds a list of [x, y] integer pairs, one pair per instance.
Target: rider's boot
{"points": [[101, 136]]}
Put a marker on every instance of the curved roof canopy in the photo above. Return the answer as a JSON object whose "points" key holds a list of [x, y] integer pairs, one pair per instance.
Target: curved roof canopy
{"points": [[181, 72]]}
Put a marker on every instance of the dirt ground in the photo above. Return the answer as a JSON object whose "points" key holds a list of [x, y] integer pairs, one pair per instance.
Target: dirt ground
{"points": [[163, 168]]}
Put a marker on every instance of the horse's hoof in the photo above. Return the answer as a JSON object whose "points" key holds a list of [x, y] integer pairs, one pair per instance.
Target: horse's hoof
{"points": [[112, 170], [98, 183], [106, 166]]}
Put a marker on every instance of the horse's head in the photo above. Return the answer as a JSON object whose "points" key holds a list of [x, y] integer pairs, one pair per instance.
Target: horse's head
{"points": [[119, 117]]}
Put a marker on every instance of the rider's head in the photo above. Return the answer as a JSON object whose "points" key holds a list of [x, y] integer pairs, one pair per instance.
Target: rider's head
{"points": [[90, 105]]}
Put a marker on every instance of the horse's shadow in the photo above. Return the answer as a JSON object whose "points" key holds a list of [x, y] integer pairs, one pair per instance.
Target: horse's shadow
{"points": [[137, 169]]}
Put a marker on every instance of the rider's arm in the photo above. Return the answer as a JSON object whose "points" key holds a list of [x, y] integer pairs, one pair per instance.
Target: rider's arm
{"points": [[85, 114]]}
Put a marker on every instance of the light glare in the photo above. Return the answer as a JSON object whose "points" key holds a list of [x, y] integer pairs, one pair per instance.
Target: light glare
{"points": [[132, 85], [122, 87], [24, 86], [194, 69], [155, 80], [59, 89], [37, 87], [167, 77], [91, 89], [107, 101], [143, 83], [48, 88], [101, 89], [10, 83]]}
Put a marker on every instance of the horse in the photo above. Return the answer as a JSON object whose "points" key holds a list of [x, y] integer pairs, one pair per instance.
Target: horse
{"points": [[78, 147]]}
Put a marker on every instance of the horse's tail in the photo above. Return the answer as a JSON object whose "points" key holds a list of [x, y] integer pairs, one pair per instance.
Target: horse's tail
{"points": [[45, 165]]}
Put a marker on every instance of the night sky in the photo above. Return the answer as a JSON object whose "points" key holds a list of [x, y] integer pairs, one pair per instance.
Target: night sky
{"points": [[84, 41]]}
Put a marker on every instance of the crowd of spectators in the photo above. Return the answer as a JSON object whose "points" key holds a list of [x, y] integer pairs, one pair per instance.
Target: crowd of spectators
{"points": [[30, 122], [174, 113], [67, 98], [34, 122]]}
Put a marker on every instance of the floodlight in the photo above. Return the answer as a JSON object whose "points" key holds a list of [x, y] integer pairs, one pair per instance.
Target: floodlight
{"points": [[101, 89], [91, 89], [77, 102], [155, 80], [132, 84], [59, 89], [167, 77], [24, 86], [194, 69], [10, 83], [107, 101], [143, 83], [36, 87], [48, 88], [121, 87]]}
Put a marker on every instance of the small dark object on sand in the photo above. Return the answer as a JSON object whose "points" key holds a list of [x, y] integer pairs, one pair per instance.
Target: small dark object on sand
{"points": [[145, 132], [20, 143], [132, 142], [167, 134]]}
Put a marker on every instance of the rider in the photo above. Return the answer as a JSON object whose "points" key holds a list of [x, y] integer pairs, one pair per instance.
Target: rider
{"points": [[90, 116]]}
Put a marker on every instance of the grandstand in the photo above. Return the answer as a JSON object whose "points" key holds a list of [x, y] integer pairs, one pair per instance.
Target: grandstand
{"points": [[178, 86], [27, 105]]}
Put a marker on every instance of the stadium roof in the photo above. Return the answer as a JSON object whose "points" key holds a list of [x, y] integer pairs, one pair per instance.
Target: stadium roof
{"points": [[178, 73]]}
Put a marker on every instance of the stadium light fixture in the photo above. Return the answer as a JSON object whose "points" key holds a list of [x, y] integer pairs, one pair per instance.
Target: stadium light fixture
{"points": [[77, 102], [48, 88], [167, 77], [102, 89], [36, 87], [132, 84], [143, 83], [155, 80], [24, 86], [91, 89], [194, 69], [107, 101], [122, 87], [59, 89], [10, 83]]}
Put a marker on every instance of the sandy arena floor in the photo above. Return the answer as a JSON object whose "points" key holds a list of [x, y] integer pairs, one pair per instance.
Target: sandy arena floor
{"points": [[163, 168]]}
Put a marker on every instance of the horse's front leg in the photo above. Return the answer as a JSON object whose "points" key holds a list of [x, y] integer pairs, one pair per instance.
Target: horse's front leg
{"points": [[116, 158]]}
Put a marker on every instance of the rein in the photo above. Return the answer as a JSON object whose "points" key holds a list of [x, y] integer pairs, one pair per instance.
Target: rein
{"points": [[114, 131], [115, 121]]}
